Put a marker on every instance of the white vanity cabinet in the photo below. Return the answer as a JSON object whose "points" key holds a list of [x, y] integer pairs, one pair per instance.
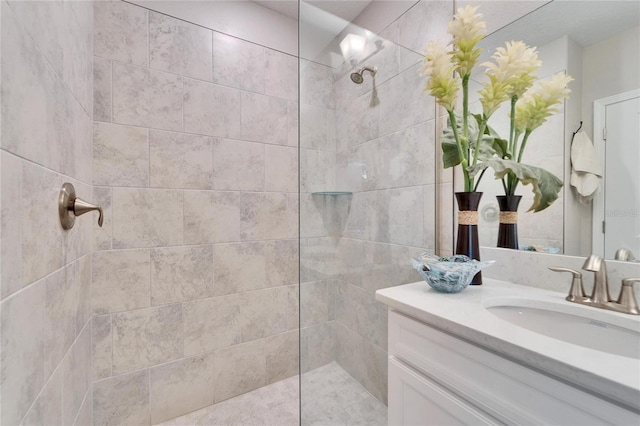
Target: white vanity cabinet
{"points": [[436, 378]]}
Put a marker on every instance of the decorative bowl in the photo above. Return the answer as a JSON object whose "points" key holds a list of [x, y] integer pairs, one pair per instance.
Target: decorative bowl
{"points": [[450, 274]]}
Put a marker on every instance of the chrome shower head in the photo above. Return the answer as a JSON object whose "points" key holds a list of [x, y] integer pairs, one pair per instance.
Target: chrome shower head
{"points": [[357, 77]]}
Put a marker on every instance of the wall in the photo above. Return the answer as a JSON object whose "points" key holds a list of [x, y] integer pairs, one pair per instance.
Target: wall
{"points": [[621, 51], [195, 272], [243, 19], [384, 154], [46, 103]]}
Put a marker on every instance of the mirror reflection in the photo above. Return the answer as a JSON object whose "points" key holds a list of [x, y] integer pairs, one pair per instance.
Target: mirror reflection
{"points": [[598, 44]]}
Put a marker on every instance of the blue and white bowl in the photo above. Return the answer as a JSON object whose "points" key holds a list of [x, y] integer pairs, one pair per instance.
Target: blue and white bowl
{"points": [[450, 274]]}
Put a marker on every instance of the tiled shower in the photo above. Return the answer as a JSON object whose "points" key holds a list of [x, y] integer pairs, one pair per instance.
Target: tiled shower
{"points": [[219, 270]]}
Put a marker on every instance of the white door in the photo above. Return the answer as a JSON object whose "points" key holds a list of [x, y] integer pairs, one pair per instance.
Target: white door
{"points": [[616, 215]]}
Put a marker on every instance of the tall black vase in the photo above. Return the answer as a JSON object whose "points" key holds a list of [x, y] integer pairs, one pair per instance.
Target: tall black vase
{"points": [[508, 228], [467, 242]]}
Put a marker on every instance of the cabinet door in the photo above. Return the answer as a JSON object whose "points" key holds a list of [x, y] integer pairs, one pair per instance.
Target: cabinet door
{"points": [[416, 400]]}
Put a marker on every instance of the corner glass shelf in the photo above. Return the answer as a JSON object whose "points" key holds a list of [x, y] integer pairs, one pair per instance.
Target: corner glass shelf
{"points": [[332, 193]]}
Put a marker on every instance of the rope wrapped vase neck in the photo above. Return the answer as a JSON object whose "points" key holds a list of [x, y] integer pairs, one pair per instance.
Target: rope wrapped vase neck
{"points": [[467, 217], [510, 218]]}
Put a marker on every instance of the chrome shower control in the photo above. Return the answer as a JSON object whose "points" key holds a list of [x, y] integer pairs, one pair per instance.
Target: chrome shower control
{"points": [[69, 206]]}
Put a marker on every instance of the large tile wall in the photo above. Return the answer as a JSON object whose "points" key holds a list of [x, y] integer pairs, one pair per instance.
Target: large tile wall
{"points": [[46, 114], [195, 273], [380, 145]]}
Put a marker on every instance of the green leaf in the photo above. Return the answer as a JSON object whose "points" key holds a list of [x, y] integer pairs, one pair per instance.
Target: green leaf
{"points": [[450, 154], [499, 145], [451, 157], [544, 185]]}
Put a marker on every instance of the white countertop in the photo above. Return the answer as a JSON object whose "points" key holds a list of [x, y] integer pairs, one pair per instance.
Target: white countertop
{"points": [[464, 315]]}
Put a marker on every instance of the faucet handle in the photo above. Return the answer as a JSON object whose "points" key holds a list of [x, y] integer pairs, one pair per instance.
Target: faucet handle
{"points": [[576, 293], [627, 298]]}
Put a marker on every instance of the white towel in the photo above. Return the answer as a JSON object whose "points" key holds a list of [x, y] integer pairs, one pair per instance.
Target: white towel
{"points": [[586, 171]]}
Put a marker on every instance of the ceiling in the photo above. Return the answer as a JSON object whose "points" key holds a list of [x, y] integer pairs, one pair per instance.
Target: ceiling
{"points": [[346, 9], [585, 22]]}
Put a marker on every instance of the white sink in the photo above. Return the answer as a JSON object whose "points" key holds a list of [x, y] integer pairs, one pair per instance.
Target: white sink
{"points": [[588, 327]]}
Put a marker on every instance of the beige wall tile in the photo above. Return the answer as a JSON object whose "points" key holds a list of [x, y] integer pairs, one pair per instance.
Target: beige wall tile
{"points": [[147, 98], [77, 37], [41, 231], [47, 408], [264, 312], [10, 225], [179, 160], [211, 217], [44, 22], [181, 273], [238, 63], [281, 169], [147, 337], [120, 155], [85, 415], [31, 95], [292, 123], [180, 387], [314, 303], [84, 310], [281, 262], [238, 165], [120, 281], [211, 110], [316, 83], [22, 340], [281, 75], [76, 376], [121, 32], [264, 119], [147, 218], [239, 369], [281, 356], [180, 47], [61, 301], [212, 323], [239, 267], [101, 342], [122, 400], [318, 346], [102, 91]]}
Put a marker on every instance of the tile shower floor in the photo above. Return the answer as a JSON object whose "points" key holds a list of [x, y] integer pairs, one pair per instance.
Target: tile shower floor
{"points": [[330, 397]]}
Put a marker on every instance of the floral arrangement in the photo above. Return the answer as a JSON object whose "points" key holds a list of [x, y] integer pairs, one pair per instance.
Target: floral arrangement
{"points": [[468, 140]]}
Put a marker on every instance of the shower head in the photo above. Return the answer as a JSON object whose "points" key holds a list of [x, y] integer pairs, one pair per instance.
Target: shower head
{"points": [[357, 77]]}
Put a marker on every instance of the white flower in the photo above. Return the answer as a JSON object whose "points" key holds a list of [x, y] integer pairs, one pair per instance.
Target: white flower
{"points": [[467, 27], [510, 75], [514, 64], [467, 30], [538, 103], [439, 69]]}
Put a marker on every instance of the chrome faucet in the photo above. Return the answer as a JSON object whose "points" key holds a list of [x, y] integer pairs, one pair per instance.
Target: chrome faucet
{"points": [[600, 298], [598, 266]]}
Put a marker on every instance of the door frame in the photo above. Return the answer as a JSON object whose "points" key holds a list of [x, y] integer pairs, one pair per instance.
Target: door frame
{"points": [[599, 122]]}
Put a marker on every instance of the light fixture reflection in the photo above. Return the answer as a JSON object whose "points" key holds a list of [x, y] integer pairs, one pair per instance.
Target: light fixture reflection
{"points": [[351, 45]]}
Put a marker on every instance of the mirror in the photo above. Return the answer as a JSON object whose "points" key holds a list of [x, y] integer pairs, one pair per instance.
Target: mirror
{"points": [[597, 42]]}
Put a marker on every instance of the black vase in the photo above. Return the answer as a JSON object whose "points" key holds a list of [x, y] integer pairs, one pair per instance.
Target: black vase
{"points": [[467, 242], [508, 228]]}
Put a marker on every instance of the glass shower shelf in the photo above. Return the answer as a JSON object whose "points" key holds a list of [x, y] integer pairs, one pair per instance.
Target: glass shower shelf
{"points": [[332, 193]]}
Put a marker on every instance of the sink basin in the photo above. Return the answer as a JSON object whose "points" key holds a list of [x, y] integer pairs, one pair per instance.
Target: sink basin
{"points": [[584, 326]]}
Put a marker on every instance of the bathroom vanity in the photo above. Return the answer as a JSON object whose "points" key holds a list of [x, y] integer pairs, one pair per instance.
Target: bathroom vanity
{"points": [[508, 354]]}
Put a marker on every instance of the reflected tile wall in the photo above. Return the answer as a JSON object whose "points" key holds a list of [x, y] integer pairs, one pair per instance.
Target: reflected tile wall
{"points": [[195, 161], [46, 111], [385, 154]]}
